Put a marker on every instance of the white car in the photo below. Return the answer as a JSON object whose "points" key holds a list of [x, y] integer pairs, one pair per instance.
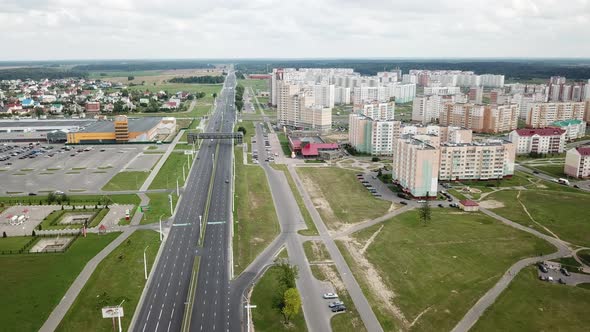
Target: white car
{"points": [[330, 296]]}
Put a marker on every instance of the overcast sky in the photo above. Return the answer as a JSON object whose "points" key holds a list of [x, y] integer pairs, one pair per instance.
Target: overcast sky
{"points": [[121, 29]]}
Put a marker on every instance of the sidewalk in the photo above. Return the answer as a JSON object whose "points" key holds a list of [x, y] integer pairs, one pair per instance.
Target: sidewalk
{"points": [[161, 162]]}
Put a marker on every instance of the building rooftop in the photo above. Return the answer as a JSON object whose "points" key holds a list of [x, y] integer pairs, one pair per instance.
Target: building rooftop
{"points": [[540, 132], [567, 122], [467, 202], [135, 125], [584, 150]]}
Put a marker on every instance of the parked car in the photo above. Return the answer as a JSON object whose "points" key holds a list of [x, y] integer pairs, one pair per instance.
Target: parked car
{"points": [[543, 268], [403, 203], [576, 186], [440, 206], [335, 304], [561, 281], [330, 296], [535, 172], [339, 308], [32, 194], [564, 271]]}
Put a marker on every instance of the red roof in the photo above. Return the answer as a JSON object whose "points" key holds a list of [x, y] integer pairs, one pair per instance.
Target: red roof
{"points": [[312, 149], [584, 150], [467, 202], [540, 132]]}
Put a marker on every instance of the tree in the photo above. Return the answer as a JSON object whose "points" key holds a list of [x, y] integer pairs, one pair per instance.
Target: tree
{"points": [[288, 275], [3, 234], [214, 95], [424, 211], [243, 130], [130, 78], [291, 304], [34, 234], [51, 198]]}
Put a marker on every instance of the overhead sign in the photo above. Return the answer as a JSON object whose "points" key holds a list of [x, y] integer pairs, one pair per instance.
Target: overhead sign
{"points": [[112, 312]]}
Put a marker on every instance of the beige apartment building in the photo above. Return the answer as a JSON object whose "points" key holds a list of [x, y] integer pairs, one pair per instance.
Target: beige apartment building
{"points": [[492, 159], [295, 108], [480, 118], [375, 137], [577, 162], [415, 166], [541, 115]]}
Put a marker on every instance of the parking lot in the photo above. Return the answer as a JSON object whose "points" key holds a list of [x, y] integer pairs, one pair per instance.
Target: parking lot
{"points": [[48, 167]]}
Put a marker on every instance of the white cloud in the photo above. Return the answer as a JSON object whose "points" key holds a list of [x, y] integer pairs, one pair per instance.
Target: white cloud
{"points": [[73, 29]]}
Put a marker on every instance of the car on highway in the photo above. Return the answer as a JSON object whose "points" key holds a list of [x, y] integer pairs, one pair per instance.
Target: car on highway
{"points": [[226, 180], [535, 172], [330, 296], [339, 308]]}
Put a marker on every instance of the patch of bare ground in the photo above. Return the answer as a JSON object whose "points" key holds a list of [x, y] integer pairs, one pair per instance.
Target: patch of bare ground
{"points": [[491, 204], [383, 294], [321, 203]]}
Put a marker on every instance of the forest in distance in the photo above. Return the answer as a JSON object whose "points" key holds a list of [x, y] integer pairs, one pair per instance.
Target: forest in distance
{"points": [[513, 69]]}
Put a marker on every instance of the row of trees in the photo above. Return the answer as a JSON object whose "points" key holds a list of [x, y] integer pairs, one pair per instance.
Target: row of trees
{"points": [[208, 79], [239, 97], [287, 299]]}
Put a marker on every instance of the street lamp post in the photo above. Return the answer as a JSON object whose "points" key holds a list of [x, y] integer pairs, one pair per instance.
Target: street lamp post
{"points": [[248, 307], [171, 209], [145, 263], [161, 234], [119, 316]]}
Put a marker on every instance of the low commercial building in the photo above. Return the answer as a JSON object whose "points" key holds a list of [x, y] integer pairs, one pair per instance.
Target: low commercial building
{"points": [[310, 147], [468, 205], [121, 130], [577, 162], [573, 128], [538, 141], [415, 167]]}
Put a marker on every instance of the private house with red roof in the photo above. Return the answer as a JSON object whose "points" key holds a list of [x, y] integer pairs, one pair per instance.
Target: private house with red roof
{"points": [[539, 141], [577, 162], [310, 147], [92, 108]]}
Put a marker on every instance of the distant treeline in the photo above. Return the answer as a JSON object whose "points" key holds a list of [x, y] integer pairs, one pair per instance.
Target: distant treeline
{"points": [[37, 73], [198, 79], [143, 65], [512, 69]]}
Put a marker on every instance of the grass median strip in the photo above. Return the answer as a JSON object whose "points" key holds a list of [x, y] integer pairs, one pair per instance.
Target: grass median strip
{"points": [[186, 319], [171, 171], [120, 276], [131, 180], [256, 221]]}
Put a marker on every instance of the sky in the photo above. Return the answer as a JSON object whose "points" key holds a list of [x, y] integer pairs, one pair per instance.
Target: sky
{"points": [[177, 29]]}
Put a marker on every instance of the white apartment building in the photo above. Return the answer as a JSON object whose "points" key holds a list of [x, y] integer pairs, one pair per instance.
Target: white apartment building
{"points": [[372, 136], [295, 108], [538, 141], [492, 159], [342, 95], [403, 93], [379, 111], [324, 95], [366, 94], [480, 118], [577, 162], [415, 166], [492, 81], [541, 115], [442, 90], [426, 109], [445, 133]]}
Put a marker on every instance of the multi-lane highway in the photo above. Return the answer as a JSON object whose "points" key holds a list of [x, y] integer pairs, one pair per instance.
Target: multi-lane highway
{"points": [[168, 298]]}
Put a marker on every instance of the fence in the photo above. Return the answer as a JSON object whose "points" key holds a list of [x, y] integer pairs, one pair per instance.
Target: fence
{"points": [[26, 247]]}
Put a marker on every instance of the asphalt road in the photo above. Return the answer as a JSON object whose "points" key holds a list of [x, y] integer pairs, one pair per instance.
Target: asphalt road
{"points": [[165, 300]]}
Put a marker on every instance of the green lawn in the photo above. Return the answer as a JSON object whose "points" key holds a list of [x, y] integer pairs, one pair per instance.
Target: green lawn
{"points": [[132, 180], [120, 276], [265, 316], [52, 221], [316, 251], [159, 206], [440, 269], [529, 304], [32, 285], [170, 171], [284, 144], [339, 197], [311, 229], [256, 222], [256, 85], [558, 211], [14, 243], [553, 170]]}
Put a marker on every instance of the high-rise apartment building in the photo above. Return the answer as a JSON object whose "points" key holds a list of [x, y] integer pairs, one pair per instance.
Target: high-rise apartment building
{"points": [[480, 118], [492, 159], [476, 94], [577, 162], [296, 108], [373, 136], [426, 109], [415, 166], [540, 115], [379, 111], [324, 95]]}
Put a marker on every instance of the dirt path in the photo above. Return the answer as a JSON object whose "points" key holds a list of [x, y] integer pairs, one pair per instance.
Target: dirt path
{"points": [[532, 219]]}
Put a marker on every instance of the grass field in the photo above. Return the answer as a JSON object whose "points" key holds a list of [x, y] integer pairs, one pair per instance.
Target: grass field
{"points": [[339, 197], [311, 229], [256, 85], [14, 242], [53, 219], [159, 206], [316, 251], [553, 170], [557, 211], [266, 317], [120, 276], [529, 304], [170, 171], [284, 144], [32, 285], [435, 272], [131, 180], [256, 222]]}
